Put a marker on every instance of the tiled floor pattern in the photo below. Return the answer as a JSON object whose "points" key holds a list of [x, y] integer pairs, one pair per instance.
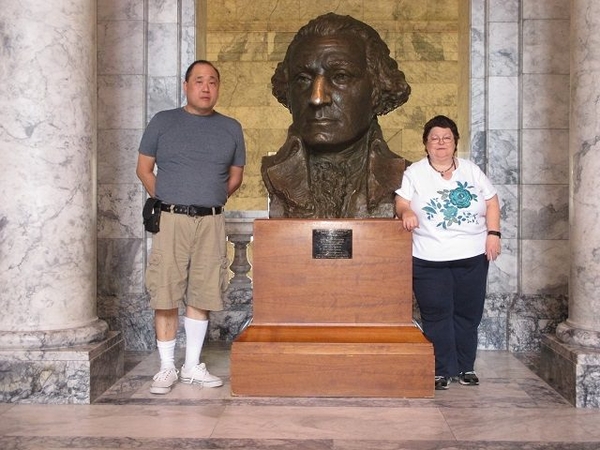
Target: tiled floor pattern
{"points": [[511, 409]]}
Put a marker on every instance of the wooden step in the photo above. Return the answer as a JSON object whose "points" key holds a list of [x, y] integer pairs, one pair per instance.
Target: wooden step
{"points": [[308, 361]]}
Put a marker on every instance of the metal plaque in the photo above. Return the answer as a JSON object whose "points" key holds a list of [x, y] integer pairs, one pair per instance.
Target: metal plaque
{"points": [[332, 244]]}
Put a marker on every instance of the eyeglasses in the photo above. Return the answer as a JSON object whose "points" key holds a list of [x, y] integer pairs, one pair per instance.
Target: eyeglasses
{"points": [[440, 139]]}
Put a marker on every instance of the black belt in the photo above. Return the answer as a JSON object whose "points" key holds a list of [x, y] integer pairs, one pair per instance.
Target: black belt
{"points": [[192, 210]]}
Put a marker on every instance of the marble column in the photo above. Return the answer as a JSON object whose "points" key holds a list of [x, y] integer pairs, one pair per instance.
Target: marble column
{"points": [[571, 359], [53, 347]]}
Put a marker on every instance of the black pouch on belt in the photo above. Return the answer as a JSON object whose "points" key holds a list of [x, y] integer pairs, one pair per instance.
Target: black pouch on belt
{"points": [[151, 215]]}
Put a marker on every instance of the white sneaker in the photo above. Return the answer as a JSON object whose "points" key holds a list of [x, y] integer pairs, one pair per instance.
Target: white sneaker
{"points": [[164, 381], [199, 375]]}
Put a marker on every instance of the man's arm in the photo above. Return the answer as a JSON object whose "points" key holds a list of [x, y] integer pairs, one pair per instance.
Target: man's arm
{"points": [[236, 175], [145, 172]]}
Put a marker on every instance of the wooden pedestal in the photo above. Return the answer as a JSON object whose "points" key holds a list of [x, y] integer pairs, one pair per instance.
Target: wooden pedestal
{"points": [[332, 322]]}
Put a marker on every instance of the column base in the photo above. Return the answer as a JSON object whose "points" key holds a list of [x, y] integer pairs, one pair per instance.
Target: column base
{"points": [[572, 370], [73, 375], [226, 325]]}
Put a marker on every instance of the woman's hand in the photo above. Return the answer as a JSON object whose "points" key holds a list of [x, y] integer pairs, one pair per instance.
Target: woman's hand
{"points": [[493, 247], [405, 214], [409, 220]]}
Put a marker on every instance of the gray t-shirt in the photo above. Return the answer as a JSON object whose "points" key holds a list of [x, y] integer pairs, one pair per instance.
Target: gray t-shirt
{"points": [[193, 155]]}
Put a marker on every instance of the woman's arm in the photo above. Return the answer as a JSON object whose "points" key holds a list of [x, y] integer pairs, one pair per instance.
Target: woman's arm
{"points": [[406, 214], [492, 220]]}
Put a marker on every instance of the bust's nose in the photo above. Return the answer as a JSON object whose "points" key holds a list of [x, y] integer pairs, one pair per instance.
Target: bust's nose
{"points": [[320, 94]]}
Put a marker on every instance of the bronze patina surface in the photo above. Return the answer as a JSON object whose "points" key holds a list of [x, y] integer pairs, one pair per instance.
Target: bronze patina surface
{"points": [[337, 76]]}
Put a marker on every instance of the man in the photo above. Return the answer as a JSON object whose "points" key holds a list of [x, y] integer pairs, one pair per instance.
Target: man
{"points": [[200, 156], [336, 78]]}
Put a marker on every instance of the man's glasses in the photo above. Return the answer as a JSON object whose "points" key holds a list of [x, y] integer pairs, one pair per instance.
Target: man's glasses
{"points": [[440, 139]]}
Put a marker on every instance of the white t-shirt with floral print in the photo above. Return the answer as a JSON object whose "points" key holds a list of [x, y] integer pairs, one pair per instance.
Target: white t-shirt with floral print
{"points": [[451, 212]]}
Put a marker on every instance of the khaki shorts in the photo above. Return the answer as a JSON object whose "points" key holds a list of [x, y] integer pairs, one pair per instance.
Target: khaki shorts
{"points": [[188, 262]]}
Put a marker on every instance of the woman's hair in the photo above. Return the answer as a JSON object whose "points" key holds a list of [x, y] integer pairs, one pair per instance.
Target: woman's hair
{"points": [[390, 88], [441, 122]]}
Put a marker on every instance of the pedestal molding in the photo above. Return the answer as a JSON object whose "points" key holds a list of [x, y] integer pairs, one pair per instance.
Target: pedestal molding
{"points": [[42, 340], [577, 336]]}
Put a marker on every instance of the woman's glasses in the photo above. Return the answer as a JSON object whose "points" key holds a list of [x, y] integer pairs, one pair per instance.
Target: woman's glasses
{"points": [[440, 139]]}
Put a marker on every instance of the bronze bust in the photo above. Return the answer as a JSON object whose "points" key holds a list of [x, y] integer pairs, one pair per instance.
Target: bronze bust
{"points": [[337, 76]]}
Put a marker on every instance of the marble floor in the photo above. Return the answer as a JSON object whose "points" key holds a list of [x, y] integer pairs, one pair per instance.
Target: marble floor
{"points": [[511, 409]]}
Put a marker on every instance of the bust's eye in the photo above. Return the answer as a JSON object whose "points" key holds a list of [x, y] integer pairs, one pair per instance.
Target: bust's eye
{"points": [[302, 79], [341, 78]]}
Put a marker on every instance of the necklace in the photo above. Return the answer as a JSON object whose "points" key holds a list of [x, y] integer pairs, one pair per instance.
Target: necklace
{"points": [[442, 172]]}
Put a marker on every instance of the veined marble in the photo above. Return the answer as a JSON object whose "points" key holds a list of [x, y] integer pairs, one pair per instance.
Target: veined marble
{"points": [[584, 145], [70, 157], [75, 374], [47, 187], [53, 347], [513, 408]]}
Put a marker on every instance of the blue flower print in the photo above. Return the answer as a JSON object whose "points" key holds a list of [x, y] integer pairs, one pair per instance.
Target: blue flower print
{"points": [[460, 197], [449, 205], [450, 212]]}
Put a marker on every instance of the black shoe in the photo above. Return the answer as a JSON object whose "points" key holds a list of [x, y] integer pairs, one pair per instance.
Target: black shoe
{"points": [[442, 383], [468, 378]]}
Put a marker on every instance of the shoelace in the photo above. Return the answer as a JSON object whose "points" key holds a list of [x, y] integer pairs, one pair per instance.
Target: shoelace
{"points": [[202, 370], [163, 375]]}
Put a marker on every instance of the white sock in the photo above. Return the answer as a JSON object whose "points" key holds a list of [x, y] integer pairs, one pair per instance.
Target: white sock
{"points": [[166, 350], [195, 332]]}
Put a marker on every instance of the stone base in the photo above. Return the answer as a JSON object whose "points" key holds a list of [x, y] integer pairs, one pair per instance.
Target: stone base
{"points": [[573, 371], [227, 324], [74, 375]]}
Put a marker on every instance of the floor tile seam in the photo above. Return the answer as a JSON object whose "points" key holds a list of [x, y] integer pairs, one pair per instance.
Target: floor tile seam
{"points": [[136, 382], [261, 404], [514, 407], [58, 442], [447, 424], [82, 441], [363, 403], [464, 444]]}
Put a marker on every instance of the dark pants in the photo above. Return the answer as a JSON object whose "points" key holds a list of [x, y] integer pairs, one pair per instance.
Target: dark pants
{"points": [[450, 295]]}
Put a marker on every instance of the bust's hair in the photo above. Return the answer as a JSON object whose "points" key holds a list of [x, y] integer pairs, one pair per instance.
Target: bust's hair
{"points": [[390, 88]]}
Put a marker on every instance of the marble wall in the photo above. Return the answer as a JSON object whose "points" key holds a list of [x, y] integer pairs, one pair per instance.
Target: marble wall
{"points": [[520, 91], [519, 127], [143, 48]]}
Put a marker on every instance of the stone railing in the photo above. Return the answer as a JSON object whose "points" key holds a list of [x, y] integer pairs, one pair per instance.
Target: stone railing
{"points": [[227, 324], [239, 229]]}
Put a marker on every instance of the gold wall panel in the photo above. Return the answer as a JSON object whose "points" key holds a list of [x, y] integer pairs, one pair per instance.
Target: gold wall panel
{"points": [[247, 38]]}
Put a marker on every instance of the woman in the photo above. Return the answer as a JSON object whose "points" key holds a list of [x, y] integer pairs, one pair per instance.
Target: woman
{"points": [[453, 212]]}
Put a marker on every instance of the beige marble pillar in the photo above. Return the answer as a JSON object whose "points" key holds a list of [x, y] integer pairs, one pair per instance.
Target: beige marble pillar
{"points": [[571, 359], [50, 335]]}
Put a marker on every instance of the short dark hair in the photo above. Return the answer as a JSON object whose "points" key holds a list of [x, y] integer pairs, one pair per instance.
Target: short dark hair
{"points": [[390, 88], [188, 72], [441, 122]]}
